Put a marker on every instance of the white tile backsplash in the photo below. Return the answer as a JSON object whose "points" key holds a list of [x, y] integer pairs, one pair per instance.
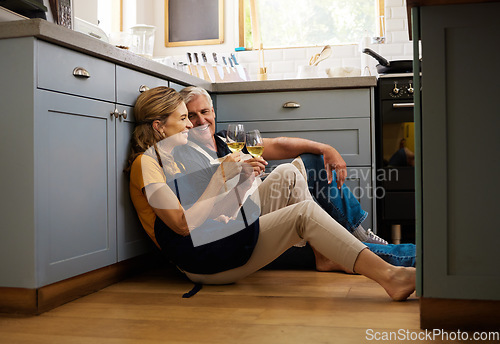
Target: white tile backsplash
{"points": [[398, 12], [393, 3], [284, 63]]}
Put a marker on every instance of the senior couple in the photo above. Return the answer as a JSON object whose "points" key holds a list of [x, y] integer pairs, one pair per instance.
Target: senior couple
{"points": [[180, 185]]}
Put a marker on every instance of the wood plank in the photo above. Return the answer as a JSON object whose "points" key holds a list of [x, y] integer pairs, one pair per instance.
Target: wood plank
{"points": [[455, 314], [18, 300], [37, 301], [270, 306]]}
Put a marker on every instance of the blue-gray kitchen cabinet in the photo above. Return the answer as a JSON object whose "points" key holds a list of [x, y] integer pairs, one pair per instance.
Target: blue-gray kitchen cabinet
{"points": [[457, 186], [342, 118], [67, 121]]}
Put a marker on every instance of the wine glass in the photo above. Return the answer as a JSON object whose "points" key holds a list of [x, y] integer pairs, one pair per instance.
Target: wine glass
{"points": [[255, 144], [235, 137]]}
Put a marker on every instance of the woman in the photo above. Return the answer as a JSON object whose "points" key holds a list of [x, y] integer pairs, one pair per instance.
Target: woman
{"points": [[156, 182]]}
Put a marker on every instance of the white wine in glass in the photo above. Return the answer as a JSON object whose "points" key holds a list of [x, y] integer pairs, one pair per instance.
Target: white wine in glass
{"points": [[235, 137], [255, 144]]}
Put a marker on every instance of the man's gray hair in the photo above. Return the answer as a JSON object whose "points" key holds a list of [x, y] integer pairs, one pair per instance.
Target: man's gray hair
{"points": [[191, 92]]}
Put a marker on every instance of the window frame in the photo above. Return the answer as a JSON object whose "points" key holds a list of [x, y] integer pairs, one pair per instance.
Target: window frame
{"points": [[256, 46]]}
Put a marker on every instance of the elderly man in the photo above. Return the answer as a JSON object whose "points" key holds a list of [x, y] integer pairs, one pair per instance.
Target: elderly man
{"points": [[324, 166]]}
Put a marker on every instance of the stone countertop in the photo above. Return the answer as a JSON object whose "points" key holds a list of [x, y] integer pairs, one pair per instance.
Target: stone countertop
{"points": [[295, 84], [62, 36]]}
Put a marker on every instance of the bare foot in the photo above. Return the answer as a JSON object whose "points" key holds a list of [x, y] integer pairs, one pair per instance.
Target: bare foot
{"points": [[401, 283]]}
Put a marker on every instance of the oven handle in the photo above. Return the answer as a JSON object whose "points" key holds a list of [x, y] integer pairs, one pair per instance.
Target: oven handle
{"points": [[402, 105]]}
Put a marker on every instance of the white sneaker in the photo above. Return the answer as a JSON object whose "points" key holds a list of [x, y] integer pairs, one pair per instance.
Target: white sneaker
{"points": [[366, 235]]}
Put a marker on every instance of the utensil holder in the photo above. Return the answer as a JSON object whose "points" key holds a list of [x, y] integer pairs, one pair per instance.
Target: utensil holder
{"points": [[263, 73]]}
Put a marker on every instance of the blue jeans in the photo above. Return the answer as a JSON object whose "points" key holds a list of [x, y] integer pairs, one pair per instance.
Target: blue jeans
{"points": [[399, 255], [343, 206]]}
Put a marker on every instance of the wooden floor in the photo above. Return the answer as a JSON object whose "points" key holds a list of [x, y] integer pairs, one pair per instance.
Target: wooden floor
{"points": [[270, 306]]}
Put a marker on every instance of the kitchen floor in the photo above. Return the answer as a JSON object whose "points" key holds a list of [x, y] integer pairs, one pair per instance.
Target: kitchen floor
{"points": [[271, 306]]}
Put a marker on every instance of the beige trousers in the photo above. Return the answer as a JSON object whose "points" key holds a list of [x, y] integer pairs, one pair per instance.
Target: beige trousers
{"points": [[289, 216]]}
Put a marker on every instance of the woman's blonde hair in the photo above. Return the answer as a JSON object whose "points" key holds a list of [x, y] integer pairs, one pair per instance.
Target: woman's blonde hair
{"points": [[155, 104]]}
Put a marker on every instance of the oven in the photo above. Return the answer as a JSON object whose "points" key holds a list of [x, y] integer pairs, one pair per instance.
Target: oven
{"points": [[395, 177]]}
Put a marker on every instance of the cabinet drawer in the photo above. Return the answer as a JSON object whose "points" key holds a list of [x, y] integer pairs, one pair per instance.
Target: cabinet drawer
{"points": [[313, 104], [350, 136], [130, 82], [56, 67]]}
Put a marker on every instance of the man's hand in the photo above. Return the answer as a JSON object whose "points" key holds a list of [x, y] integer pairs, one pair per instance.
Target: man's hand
{"points": [[258, 165], [333, 161]]}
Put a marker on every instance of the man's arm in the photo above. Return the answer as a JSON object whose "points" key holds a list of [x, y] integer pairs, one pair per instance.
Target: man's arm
{"points": [[291, 147]]}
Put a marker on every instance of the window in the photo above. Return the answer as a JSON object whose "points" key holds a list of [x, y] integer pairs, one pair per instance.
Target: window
{"points": [[302, 23]]}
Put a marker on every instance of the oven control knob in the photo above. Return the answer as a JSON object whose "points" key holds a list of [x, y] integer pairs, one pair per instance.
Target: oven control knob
{"points": [[395, 90], [410, 89]]}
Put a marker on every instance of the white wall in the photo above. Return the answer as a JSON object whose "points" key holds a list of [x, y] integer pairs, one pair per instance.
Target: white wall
{"points": [[86, 10], [281, 63]]}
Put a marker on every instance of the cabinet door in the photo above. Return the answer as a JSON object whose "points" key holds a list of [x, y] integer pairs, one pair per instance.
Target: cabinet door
{"points": [[460, 119], [75, 206], [131, 237]]}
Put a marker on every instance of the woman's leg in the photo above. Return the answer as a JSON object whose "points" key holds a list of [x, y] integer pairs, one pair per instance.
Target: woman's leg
{"points": [[283, 228], [398, 282], [306, 220]]}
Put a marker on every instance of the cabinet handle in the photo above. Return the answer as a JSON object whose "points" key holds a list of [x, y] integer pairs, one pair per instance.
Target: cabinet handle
{"points": [[143, 88], [291, 105], [81, 72], [402, 105], [115, 113], [124, 114]]}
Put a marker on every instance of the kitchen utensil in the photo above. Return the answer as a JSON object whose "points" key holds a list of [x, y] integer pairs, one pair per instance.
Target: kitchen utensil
{"points": [[198, 66], [390, 67], [262, 64], [218, 69], [208, 72], [230, 73], [192, 68], [325, 53], [240, 69], [313, 59]]}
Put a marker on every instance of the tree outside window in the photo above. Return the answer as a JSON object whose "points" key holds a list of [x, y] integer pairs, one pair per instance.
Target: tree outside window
{"points": [[302, 23]]}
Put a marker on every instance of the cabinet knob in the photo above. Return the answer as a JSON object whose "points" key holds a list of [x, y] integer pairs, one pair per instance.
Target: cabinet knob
{"points": [[124, 114], [81, 72], [143, 88], [115, 113], [291, 105]]}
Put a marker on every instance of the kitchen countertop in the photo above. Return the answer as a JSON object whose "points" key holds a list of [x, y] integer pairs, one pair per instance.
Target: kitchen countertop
{"points": [[51, 32]]}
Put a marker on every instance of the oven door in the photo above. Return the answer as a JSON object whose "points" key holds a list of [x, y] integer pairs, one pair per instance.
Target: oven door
{"points": [[396, 177]]}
